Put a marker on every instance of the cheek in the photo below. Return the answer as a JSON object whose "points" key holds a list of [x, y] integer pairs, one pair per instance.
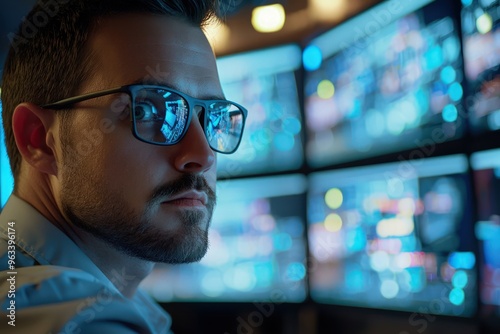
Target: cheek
{"points": [[125, 165], [129, 166], [126, 178]]}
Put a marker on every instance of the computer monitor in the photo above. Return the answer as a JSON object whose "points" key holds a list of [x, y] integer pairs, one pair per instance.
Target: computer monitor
{"points": [[383, 82], [396, 236], [6, 178], [265, 82], [481, 35], [257, 247], [486, 171]]}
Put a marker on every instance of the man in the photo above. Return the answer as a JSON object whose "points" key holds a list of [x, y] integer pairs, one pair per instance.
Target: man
{"points": [[113, 114]]}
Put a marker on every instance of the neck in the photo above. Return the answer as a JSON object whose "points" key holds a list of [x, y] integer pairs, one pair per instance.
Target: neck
{"points": [[125, 272]]}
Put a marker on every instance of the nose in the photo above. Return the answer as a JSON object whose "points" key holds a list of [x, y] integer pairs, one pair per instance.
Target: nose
{"points": [[194, 154]]}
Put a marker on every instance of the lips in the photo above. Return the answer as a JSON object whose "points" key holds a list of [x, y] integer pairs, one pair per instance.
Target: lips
{"points": [[190, 198]]}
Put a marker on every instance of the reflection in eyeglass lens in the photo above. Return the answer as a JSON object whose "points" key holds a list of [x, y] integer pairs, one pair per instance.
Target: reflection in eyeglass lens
{"points": [[224, 127], [167, 113], [161, 116]]}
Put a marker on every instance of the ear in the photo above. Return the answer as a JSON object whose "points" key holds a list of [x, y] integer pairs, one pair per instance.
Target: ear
{"points": [[31, 125]]}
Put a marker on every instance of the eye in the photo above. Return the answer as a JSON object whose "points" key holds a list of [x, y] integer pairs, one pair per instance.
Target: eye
{"points": [[146, 111]]}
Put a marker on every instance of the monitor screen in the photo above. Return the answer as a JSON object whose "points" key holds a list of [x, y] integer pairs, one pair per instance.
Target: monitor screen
{"points": [[394, 236], [265, 83], [6, 179], [385, 81], [481, 38], [486, 169], [257, 247]]}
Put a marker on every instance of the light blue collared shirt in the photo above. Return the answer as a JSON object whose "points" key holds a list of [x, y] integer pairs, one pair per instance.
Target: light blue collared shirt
{"points": [[51, 286]]}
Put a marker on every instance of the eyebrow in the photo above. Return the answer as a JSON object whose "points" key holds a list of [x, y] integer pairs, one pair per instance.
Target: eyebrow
{"points": [[143, 81]]}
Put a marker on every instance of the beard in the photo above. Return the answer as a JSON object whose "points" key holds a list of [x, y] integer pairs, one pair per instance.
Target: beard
{"points": [[92, 207]]}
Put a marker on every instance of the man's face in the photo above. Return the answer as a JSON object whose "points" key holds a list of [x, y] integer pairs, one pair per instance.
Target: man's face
{"points": [[152, 202]]}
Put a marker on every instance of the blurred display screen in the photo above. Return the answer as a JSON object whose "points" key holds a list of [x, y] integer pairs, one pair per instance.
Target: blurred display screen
{"points": [[394, 236], [481, 38], [257, 247], [388, 80], [6, 179], [265, 83], [486, 166]]}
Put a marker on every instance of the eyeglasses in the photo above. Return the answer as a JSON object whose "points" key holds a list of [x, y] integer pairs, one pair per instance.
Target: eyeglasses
{"points": [[161, 116]]}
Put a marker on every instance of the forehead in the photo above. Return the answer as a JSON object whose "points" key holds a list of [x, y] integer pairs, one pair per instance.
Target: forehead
{"points": [[156, 49]]}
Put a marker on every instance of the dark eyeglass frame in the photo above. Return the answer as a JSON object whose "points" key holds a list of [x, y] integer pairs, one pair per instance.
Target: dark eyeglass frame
{"points": [[132, 91]]}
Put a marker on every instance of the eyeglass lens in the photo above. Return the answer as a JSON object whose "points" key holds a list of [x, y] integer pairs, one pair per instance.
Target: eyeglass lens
{"points": [[162, 116]]}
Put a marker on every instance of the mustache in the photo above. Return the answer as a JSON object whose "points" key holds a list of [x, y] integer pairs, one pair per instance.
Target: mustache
{"points": [[185, 183]]}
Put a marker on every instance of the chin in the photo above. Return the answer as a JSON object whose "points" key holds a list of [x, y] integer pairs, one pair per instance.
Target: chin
{"points": [[185, 244]]}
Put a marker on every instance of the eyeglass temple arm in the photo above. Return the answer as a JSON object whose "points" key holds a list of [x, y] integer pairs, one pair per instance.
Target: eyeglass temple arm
{"points": [[62, 104]]}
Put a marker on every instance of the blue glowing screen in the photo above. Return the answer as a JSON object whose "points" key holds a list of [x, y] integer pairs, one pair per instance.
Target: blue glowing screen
{"points": [[394, 236], [486, 166], [6, 179], [390, 79], [257, 247], [264, 82], [481, 36]]}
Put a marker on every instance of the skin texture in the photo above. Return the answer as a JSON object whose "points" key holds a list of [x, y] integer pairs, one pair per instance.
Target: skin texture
{"points": [[126, 203]]}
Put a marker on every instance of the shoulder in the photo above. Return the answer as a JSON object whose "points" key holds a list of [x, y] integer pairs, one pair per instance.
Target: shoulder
{"points": [[59, 299]]}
